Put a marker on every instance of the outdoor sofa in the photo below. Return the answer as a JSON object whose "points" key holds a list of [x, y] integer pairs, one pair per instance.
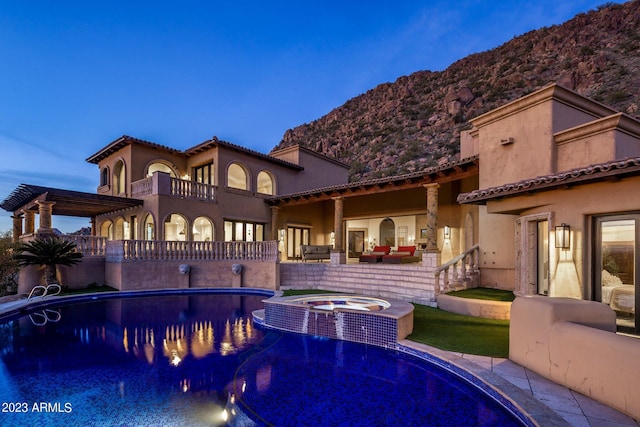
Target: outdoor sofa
{"points": [[316, 252], [375, 255], [404, 255]]}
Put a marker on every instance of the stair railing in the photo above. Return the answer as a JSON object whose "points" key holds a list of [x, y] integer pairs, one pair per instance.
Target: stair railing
{"points": [[457, 271]]}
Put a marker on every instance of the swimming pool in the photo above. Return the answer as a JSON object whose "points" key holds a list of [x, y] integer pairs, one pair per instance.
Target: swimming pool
{"points": [[200, 360]]}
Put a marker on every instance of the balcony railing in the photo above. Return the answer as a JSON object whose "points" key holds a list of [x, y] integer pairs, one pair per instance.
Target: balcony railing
{"points": [[141, 188], [163, 184], [89, 245], [193, 190], [458, 272], [163, 250]]}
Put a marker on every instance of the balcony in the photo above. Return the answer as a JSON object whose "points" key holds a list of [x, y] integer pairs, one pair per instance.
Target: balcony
{"points": [[163, 184]]}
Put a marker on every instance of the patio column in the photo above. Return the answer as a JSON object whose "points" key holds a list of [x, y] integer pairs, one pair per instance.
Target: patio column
{"points": [[432, 258], [44, 210], [93, 226], [275, 219], [432, 217], [338, 255], [29, 217], [17, 228]]}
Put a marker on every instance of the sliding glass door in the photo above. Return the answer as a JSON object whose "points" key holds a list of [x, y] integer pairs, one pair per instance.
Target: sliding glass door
{"points": [[617, 264]]}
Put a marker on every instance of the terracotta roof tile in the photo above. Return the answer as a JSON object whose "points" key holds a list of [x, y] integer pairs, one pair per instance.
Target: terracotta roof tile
{"points": [[628, 166]]}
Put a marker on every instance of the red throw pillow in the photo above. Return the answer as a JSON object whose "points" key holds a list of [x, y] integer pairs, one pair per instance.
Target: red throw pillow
{"points": [[410, 249], [385, 249]]}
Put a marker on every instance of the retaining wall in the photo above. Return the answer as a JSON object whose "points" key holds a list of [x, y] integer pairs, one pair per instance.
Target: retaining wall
{"points": [[414, 283]]}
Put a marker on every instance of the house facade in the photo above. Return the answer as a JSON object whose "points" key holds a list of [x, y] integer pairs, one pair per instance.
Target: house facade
{"points": [[558, 196], [214, 191], [542, 201]]}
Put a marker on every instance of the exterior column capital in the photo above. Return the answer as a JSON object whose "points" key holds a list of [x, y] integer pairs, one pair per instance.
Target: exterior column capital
{"points": [[45, 209]]}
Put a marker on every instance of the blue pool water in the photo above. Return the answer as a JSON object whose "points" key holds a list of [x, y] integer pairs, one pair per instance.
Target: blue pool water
{"points": [[194, 360]]}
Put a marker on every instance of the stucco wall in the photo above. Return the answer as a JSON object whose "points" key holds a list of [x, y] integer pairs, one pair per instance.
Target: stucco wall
{"points": [[89, 271], [570, 270], [166, 274], [573, 343]]}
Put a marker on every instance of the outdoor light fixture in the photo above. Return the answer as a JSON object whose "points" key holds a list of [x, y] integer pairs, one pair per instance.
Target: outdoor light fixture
{"points": [[333, 237], [447, 232], [281, 231], [563, 235]]}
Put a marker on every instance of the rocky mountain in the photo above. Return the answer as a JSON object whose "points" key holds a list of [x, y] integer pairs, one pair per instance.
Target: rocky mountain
{"points": [[415, 122]]}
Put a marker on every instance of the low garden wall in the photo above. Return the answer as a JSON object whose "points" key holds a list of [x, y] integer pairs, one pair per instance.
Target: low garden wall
{"points": [[573, 342], [499, 310]]}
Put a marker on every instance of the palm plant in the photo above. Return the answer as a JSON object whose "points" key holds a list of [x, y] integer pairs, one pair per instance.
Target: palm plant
{"points": [[49, 252]]}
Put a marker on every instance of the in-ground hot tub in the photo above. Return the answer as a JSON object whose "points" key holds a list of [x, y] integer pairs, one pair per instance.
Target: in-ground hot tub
{"points": [[332, 302], [355, 318]]}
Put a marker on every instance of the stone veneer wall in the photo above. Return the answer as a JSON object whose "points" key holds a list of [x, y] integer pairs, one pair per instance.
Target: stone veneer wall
{"points": [[414, 283]]}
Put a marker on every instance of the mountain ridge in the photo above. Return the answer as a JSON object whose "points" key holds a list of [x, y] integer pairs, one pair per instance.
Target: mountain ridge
{"points": [[415, 122]]}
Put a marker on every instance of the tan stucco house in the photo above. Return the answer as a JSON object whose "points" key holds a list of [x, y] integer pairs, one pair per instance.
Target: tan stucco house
{"points": [[542, 201]]}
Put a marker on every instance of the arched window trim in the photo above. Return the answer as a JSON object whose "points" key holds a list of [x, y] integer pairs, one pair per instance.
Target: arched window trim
{"points": [[174, 168], [117, 188], [195, 232], [186, 232], [144, 226], [273, 182], [117, 223], [105, 176], [247, 176], [109, 229]]}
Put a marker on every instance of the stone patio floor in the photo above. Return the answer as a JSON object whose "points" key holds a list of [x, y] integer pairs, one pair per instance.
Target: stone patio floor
{"points": [[550, 404]]}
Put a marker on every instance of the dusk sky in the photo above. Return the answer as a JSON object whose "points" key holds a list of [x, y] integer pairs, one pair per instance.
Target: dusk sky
{"points": [[76, 75]]}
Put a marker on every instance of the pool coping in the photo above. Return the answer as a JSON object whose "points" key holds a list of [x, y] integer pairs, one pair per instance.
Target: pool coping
{"points": [[524, 407]]}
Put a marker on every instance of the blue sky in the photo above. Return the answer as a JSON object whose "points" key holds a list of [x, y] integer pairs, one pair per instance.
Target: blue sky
{"points": [[76, 75]]}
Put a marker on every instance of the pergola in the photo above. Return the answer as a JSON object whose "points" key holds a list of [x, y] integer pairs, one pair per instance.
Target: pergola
{"points": [[27, 199]]}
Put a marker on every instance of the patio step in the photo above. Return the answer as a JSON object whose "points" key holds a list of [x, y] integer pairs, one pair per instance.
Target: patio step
{"points": [[412, 283]]}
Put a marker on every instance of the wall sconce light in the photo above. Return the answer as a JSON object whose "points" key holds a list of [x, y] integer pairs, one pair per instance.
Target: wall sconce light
{"points": [[332, 236], [281, 234], [447, 232], [563, 236]]}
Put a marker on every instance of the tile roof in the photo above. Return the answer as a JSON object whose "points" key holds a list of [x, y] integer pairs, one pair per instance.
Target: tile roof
{"points": [[125, 140], [583, 175], [215, 141], [432, 173]]}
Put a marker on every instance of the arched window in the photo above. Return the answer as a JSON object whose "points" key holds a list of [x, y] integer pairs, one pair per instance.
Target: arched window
{"points": [[203, 230], [175, 228], [149, 228], [265, 183], [119, 229], [119, 177], [387, 232], [237, 177], [158, 166], [106, 230], [104, 176]]}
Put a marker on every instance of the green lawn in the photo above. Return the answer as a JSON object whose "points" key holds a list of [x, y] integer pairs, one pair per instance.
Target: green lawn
{"points": [[484, 293], [454, 332], [460, 334]]}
